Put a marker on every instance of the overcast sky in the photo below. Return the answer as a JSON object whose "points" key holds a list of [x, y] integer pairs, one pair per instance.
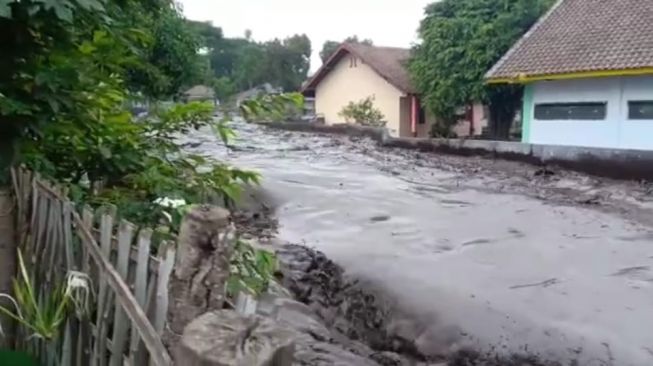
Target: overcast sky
{"points": [[386, 22]]}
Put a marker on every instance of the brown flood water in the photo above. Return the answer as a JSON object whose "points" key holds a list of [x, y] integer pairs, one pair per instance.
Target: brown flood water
{"points": [[481, 253]]}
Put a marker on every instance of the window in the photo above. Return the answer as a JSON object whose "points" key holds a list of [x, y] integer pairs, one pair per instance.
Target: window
{"points": [[640, 109], [571, 111], [422, 116], [353, 62]]}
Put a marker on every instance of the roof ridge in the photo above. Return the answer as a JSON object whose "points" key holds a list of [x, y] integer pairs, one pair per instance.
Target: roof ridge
{"points": [[523, 39], [386, 62], [377, 46]]}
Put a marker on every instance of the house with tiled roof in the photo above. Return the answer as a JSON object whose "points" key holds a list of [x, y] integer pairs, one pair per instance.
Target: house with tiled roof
{"points": [[587, 67], [356, 71]]}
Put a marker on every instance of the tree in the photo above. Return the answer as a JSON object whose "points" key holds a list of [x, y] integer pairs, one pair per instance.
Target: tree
{"points": [[294, 63], [210, 36], [174, 53], [282, 63], [329, 47], [461, 40], [246, 63], [249, 68], [224, 88]]}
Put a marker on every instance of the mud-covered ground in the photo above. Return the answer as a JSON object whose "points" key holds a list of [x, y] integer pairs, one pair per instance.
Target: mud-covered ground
{"points": [[498, 256]]}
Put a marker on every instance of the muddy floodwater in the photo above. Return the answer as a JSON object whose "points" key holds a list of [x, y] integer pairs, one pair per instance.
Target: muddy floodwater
{"points": [[484, 253]]}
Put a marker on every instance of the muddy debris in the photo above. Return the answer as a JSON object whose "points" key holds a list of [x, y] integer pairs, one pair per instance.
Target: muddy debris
{"points": [[358, 321], [351, 311], [471, 358], [355, 317]]}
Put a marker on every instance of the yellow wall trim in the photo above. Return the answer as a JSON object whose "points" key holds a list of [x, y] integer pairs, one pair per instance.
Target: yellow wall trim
{"points": [[523, 79]]}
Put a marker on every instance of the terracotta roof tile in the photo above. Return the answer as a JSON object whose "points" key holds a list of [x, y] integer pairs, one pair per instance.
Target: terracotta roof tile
{"points": [[583, 35], [388, 62]]}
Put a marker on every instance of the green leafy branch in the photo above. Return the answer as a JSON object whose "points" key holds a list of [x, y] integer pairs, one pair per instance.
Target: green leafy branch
{"points": [[252, 270]]}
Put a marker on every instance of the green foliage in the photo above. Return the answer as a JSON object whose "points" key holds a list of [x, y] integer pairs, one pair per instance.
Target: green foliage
{"points": [[61, 9], [272, 107], [210, 36], [17, 358], [42, 315], [363, 112], [224, 88], [252, 270], [461, 40], [286, 63], [329, 47], [131, 164], [72, 62], [171, 57], [63, 109], [246, 63]]}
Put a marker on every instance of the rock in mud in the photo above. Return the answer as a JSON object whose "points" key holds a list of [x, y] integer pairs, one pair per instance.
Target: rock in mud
{"points": [[315, 344], [355, 317], [226, 338]]}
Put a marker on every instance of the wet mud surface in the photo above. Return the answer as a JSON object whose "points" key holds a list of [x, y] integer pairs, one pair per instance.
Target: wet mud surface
{"points": [[496, 256]]}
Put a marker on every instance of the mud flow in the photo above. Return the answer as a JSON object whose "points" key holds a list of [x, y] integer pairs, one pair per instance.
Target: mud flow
{"points": [[500, 257]]}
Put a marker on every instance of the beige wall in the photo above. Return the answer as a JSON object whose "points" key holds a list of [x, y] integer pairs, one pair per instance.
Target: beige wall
{"points": [[404, 117], [351, 80]]}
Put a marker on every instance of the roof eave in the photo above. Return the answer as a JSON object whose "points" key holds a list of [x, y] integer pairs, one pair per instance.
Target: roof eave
{"points": [[525, 79], [328, 65], [521, 40]]}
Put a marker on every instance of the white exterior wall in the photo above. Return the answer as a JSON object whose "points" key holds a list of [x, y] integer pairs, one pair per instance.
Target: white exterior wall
{"points": [[348, 83], [616, 131]]}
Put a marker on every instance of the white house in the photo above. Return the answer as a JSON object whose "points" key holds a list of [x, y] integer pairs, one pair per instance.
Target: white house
{"points": [[587, 67]]}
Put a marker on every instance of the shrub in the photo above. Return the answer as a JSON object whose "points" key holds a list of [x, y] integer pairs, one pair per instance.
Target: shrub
{"points": [[364, 113]]}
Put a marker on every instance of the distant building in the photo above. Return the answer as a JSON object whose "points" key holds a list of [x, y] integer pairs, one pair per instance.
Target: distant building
{"points": [[355, 72], [587, 67], [200, 93], [262, 89]]}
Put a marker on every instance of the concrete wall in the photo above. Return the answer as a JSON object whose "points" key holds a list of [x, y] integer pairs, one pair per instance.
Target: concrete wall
{"points": [[616, 131], [351, 80], [615, 163]]}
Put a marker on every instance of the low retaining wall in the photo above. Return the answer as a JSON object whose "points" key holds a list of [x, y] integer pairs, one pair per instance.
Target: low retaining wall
{"points": [[613, 163], [377, 134]]}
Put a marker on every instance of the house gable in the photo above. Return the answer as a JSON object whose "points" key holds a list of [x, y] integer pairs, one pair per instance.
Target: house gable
{"points": [[351, 79], [388, 62]]}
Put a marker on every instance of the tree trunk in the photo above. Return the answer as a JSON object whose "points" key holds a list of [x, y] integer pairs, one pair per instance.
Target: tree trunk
{"points": [[7, 259], [503, 107], [501, 122], [197, 284]]}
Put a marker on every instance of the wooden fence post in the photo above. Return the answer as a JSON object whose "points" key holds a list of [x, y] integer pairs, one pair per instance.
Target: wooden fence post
{"points": [[7, 256]]}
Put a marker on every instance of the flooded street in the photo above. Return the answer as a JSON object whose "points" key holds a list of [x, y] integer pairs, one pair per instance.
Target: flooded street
{"points": [[495, 255]]}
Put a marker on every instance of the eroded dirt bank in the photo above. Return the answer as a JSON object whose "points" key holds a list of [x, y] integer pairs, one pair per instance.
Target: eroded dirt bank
{"points": [[365, 326], [498, 256]]}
